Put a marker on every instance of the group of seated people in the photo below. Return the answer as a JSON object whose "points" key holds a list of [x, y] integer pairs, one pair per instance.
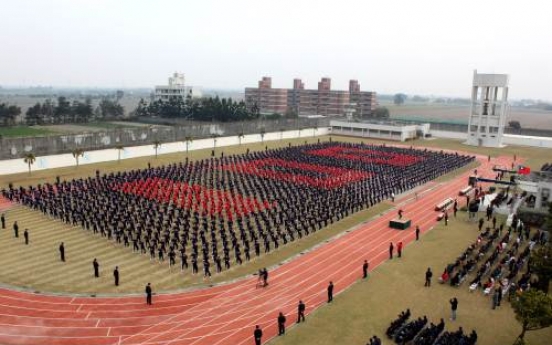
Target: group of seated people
{"points": [[397, 323], [457, 338], [546, 167], [406, 333], [419, 332], [504, 258], [429, 334]]}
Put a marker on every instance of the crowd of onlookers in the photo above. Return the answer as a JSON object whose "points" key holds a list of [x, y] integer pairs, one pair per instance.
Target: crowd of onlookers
{"points": [[419, 332], [546, 167], [498, 259]]}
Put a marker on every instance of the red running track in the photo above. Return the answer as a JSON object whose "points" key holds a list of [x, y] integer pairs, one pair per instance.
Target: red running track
{"points": [[224, 314]]}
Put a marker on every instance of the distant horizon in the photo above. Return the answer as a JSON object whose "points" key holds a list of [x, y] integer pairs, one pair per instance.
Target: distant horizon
{"points": [[237, 90]]}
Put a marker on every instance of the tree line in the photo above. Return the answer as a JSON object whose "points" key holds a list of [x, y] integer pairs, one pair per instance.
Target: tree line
{"points": [[203, 109], [64, 111], [9, 114]]}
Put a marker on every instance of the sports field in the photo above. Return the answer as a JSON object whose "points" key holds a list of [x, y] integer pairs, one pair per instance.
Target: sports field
{"points": [[355, 315]]}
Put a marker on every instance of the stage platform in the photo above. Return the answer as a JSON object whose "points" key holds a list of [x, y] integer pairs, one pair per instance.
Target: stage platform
{"points": [[399, 224]]}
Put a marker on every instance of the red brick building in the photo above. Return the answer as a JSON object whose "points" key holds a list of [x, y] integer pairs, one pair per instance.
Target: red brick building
{"points": [[321, 101]]}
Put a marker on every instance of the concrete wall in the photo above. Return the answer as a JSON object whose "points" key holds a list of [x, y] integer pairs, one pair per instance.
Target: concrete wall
{"points": [[13, 148], [12, 166], [508, 139]]}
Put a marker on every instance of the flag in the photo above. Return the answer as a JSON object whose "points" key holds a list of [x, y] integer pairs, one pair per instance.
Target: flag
{"points": [[523, 170]]}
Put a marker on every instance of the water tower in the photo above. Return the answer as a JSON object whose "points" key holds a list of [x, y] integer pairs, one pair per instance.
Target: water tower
{"points": [[489, 109]]}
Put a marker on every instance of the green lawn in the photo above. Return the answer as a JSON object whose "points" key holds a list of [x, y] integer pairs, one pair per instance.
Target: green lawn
{"points": [[360, 312], [23, 131], [367, 308]]}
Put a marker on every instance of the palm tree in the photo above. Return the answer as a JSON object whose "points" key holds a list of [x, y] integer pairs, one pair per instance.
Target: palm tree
{"points": [[314, 130], [156, 145], [29, 158], [262, 133], [282, 130], [188, 140], [299, 129], [119, 148], [240, 136], [78, 152]]}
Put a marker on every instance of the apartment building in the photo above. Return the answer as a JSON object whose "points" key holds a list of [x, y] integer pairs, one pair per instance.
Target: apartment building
{"points": [[320, 101]]}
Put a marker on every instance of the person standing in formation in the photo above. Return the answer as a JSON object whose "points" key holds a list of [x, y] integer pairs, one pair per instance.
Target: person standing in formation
{"points": [[428, 276], [16, 230], [26, 236], [3, 219], [281, 324], [391, 250], [62, 252], [365, 269], [148, 294], [116, 275], [301, 311], [330, 292], [417, 232], [258, 335], [96, 266], [399, 249]]}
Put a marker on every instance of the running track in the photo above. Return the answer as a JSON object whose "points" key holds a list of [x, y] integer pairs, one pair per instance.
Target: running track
{"points": [[224, 314]]}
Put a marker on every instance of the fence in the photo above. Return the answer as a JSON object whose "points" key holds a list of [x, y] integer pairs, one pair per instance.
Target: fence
{"points": [[11, 148]]}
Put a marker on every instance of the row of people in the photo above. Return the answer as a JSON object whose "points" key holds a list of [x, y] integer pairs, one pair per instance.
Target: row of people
{"points": [[218, 211]]}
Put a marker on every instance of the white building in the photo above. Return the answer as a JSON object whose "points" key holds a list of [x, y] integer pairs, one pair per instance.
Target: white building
{"points": [[175, 89], [380, 130], [488, 112]]}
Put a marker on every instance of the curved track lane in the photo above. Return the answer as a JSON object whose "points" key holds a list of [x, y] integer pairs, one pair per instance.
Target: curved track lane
{"points": [[224, 314]]}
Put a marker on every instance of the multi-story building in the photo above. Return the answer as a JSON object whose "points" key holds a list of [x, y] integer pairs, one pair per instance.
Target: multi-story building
{"points": [[175, 89], [320, 101]]}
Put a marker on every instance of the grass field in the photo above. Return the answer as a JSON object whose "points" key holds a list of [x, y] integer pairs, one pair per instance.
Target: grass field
{"points": [[367, 308], [357, 314], [528, 118], [24, 131]]}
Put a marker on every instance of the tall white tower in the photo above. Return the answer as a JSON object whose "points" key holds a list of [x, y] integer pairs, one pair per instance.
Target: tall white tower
{"points": [[489, 107]]}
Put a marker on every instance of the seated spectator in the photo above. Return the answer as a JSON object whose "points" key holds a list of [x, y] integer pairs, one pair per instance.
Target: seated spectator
{"points": [[444, 277]]}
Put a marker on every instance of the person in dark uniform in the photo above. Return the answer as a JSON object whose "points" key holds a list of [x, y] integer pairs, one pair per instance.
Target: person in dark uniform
{"points": [[330, 292], [480, 225], [148, 294], [417, 232], [281, 324], [96, 268], [258, 335], [3, 219], [62, 251], [16, 230], [428, 276], [265, 277], [116, 275], [400, 212], [365, 269], [399, 249], [26, 236], [391, 250], [446, 218], [301, 311]]}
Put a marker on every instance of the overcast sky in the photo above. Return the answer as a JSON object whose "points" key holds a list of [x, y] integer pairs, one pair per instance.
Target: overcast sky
{"points": [[416, 47]]}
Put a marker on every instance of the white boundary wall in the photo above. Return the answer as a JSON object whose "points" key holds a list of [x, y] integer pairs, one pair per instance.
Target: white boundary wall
{"points": [[507, 139], [13, 166]]}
